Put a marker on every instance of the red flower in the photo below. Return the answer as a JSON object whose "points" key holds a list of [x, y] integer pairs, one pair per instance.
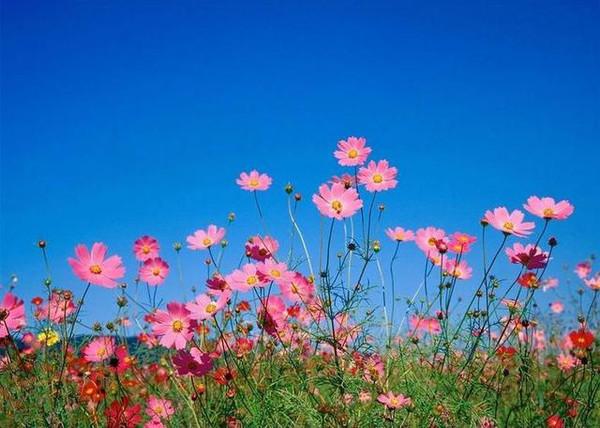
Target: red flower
{"points": [[555, 421], [222, 375], [529, 280], [506, 352], [581, 338], [120, 415]]}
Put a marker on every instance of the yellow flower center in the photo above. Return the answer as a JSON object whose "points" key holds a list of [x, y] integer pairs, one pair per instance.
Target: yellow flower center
{"points": [[457, 273], [251, 280], [156, 271], [353, 153], [207, 241], [145, 249], [159, 410], [254, 182], [431, 241], [177, 326], [394, 401], [101, 352], [548, 213], [275, 273], [508, 226], [96, 269], [337, 206], [211, 308], [399, 237], [378, 178]]}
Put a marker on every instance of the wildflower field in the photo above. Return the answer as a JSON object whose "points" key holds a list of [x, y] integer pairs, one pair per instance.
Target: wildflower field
{"points": [[290, 330]]}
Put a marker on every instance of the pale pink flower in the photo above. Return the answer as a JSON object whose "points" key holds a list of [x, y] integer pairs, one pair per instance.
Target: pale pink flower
{"points": [[173, 326], [245, 279], [427, 239], [583, 269], [378, 177], [460, 243], [337, 202], [557, 306], [549, 283], [154, 271], [195, 362], [530, 256], [509, 224], [12, 310], [566, 362], [254, 181], [270, 270], [346, 179], [429, 325], [394, 402], [547, 209], [296, 288], [154, 423], [203, 307], [159, 408], [201, 240], [93, 268], [352, 152], [364, 396], [99, 349], [594, 282], [261, 248], [458, 270], [146, 248], [399, 234]]}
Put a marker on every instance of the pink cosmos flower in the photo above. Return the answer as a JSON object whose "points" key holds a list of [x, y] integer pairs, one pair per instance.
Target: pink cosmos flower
{"points": [[394, 402], [583, 269], [93, 268], [12, 314], [458, 270], [429, 325], [154, 423], [529, 256], [346, 179], [195, 362], [271, 314], [201, 240], [378, 177], [337, 202], [154, 271], [174, 326], [146, 248], [549, 283], [593, 283], [566, 362], [57, 308], [364, 396], [509, 224], [428, 238], [99, 349], [460, 243], [352, 152], [254, 181], [399, 234], [557, 306], [203, 307], [270, 270], [261, 248], [296, 288], [159, 408], [547, 209], [245, 279]]}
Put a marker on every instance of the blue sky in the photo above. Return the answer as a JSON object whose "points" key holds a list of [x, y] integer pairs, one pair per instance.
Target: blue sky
{"points": [[128, 118]]}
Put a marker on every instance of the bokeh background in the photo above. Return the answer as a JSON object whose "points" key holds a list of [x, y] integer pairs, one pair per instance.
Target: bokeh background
{"points": [[127, 118]]}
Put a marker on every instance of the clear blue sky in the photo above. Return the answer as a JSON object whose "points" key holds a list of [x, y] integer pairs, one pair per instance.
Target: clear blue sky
{"points": [[128, 118]]}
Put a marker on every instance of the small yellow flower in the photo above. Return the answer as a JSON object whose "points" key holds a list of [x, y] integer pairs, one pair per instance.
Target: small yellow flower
{"points": [[48, 337]]}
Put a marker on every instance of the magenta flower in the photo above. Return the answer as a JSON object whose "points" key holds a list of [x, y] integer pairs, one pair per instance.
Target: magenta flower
{"points": [[154, 271], [337, 202], [261, 248], [459, 271], [93, 268], [352, 152], [547, 209], [378, 176], [12, 314], [394, 402], [195, 362], [174, 326], [99, 349], [203, 307], [245, 279], [529, 256], [254, 181], [146, 248], [509, 224], [201, 240], [399, 234]]}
